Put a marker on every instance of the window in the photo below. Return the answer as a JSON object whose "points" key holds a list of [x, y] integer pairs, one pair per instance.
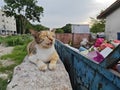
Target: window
{"points": [[2, 14]]}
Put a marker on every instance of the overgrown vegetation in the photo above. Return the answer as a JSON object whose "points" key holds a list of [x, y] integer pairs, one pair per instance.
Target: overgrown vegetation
{"points": [[3, 84], [17, 55], [15, 40], [28, 25], [97, 25]]}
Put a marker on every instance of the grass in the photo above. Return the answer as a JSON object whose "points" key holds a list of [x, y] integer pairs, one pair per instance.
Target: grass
{"points": [[15, 40], [3, 84], [7, 68], [17, 55]]}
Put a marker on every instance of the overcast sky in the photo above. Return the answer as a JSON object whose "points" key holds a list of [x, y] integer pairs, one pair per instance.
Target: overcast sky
{"points": [[57, 13]]}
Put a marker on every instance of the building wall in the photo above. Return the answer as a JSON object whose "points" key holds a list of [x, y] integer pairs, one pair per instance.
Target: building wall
{"points": [[1, 20], [80, 28], [7, 24], [113, 25]]}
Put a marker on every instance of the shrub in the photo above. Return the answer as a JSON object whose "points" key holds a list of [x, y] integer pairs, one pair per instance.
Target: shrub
{"points": [[1, 39], [15, 40]]}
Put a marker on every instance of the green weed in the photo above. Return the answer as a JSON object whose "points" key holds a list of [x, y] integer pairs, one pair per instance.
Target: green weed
{"points": [[17, 55]]}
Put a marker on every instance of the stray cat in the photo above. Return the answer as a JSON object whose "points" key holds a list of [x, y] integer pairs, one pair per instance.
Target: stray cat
{"points": [[41, 50]]}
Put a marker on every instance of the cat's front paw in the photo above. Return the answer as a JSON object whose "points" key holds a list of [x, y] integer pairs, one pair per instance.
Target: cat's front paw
{"points": [[43, 67], [52, 66]]}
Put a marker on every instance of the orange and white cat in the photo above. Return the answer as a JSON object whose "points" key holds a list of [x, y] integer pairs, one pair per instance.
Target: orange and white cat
{"points": [[42, 50]]}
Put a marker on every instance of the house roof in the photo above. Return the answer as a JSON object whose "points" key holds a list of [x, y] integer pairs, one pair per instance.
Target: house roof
{"points": [[109, 10]]}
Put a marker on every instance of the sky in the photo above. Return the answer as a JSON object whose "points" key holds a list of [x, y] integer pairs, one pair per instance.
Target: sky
{"points": [[58, 13]]}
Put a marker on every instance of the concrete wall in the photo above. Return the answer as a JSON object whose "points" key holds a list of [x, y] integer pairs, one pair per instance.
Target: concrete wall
{"points": [[113, 25], [72, 38]]}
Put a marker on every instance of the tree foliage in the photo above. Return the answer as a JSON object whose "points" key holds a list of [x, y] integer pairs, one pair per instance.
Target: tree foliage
{"points": [[97, 25], [67, 28], [64, 29], [23, 10], [59, 30], [39, 27], [27, 8]]}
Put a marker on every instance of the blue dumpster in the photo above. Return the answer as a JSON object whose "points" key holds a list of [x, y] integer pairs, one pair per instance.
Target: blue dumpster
{"points": [[118, 35], [87, 75]]}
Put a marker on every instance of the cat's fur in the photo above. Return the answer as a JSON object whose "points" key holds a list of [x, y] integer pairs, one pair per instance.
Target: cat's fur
{"points": [[41, 50]]}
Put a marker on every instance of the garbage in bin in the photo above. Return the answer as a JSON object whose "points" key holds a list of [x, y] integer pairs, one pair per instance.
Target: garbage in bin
{"points": [[95, 56], [100, 50], [86, 74]]}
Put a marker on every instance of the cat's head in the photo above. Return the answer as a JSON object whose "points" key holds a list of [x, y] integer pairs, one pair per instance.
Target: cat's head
{"points": [[45, 38]]}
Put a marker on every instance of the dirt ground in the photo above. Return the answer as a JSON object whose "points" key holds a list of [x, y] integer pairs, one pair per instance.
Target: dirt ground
{"points": [[3, 63]]}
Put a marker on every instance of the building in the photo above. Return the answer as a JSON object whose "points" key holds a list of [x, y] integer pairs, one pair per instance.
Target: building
{"points": [[112, 16], [7, 24], [80, 28]]}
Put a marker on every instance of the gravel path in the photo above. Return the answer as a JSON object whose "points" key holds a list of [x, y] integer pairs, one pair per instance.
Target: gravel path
{"points": [[4, 63], [5, 50]]}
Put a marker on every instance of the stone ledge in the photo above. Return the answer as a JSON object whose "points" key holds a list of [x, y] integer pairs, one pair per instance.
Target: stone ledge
{"points": [[27, 77]]}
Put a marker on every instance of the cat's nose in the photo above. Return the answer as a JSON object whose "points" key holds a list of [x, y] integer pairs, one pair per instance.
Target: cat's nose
{"points": [[50, 39]]}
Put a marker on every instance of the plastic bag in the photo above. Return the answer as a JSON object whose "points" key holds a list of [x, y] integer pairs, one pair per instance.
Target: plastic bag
{"points": [[98, 42], [95, 56]]}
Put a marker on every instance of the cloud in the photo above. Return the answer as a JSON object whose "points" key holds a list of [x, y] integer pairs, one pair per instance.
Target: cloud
{"points": [[57, 13], [1, 3], [60, 12]]}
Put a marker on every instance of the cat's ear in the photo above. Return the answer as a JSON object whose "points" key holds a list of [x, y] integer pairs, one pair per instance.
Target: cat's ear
{"points": [[53, 30], [33, 32]]}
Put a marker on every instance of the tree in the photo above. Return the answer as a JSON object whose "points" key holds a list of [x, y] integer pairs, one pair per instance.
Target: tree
{"points": [[23, 8], [59, 30], [39, 27], [67, 28], [97, 25], [64, 29]]}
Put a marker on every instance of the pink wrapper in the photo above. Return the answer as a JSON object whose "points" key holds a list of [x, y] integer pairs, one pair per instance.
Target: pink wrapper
{"points": [[95, 56]]}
